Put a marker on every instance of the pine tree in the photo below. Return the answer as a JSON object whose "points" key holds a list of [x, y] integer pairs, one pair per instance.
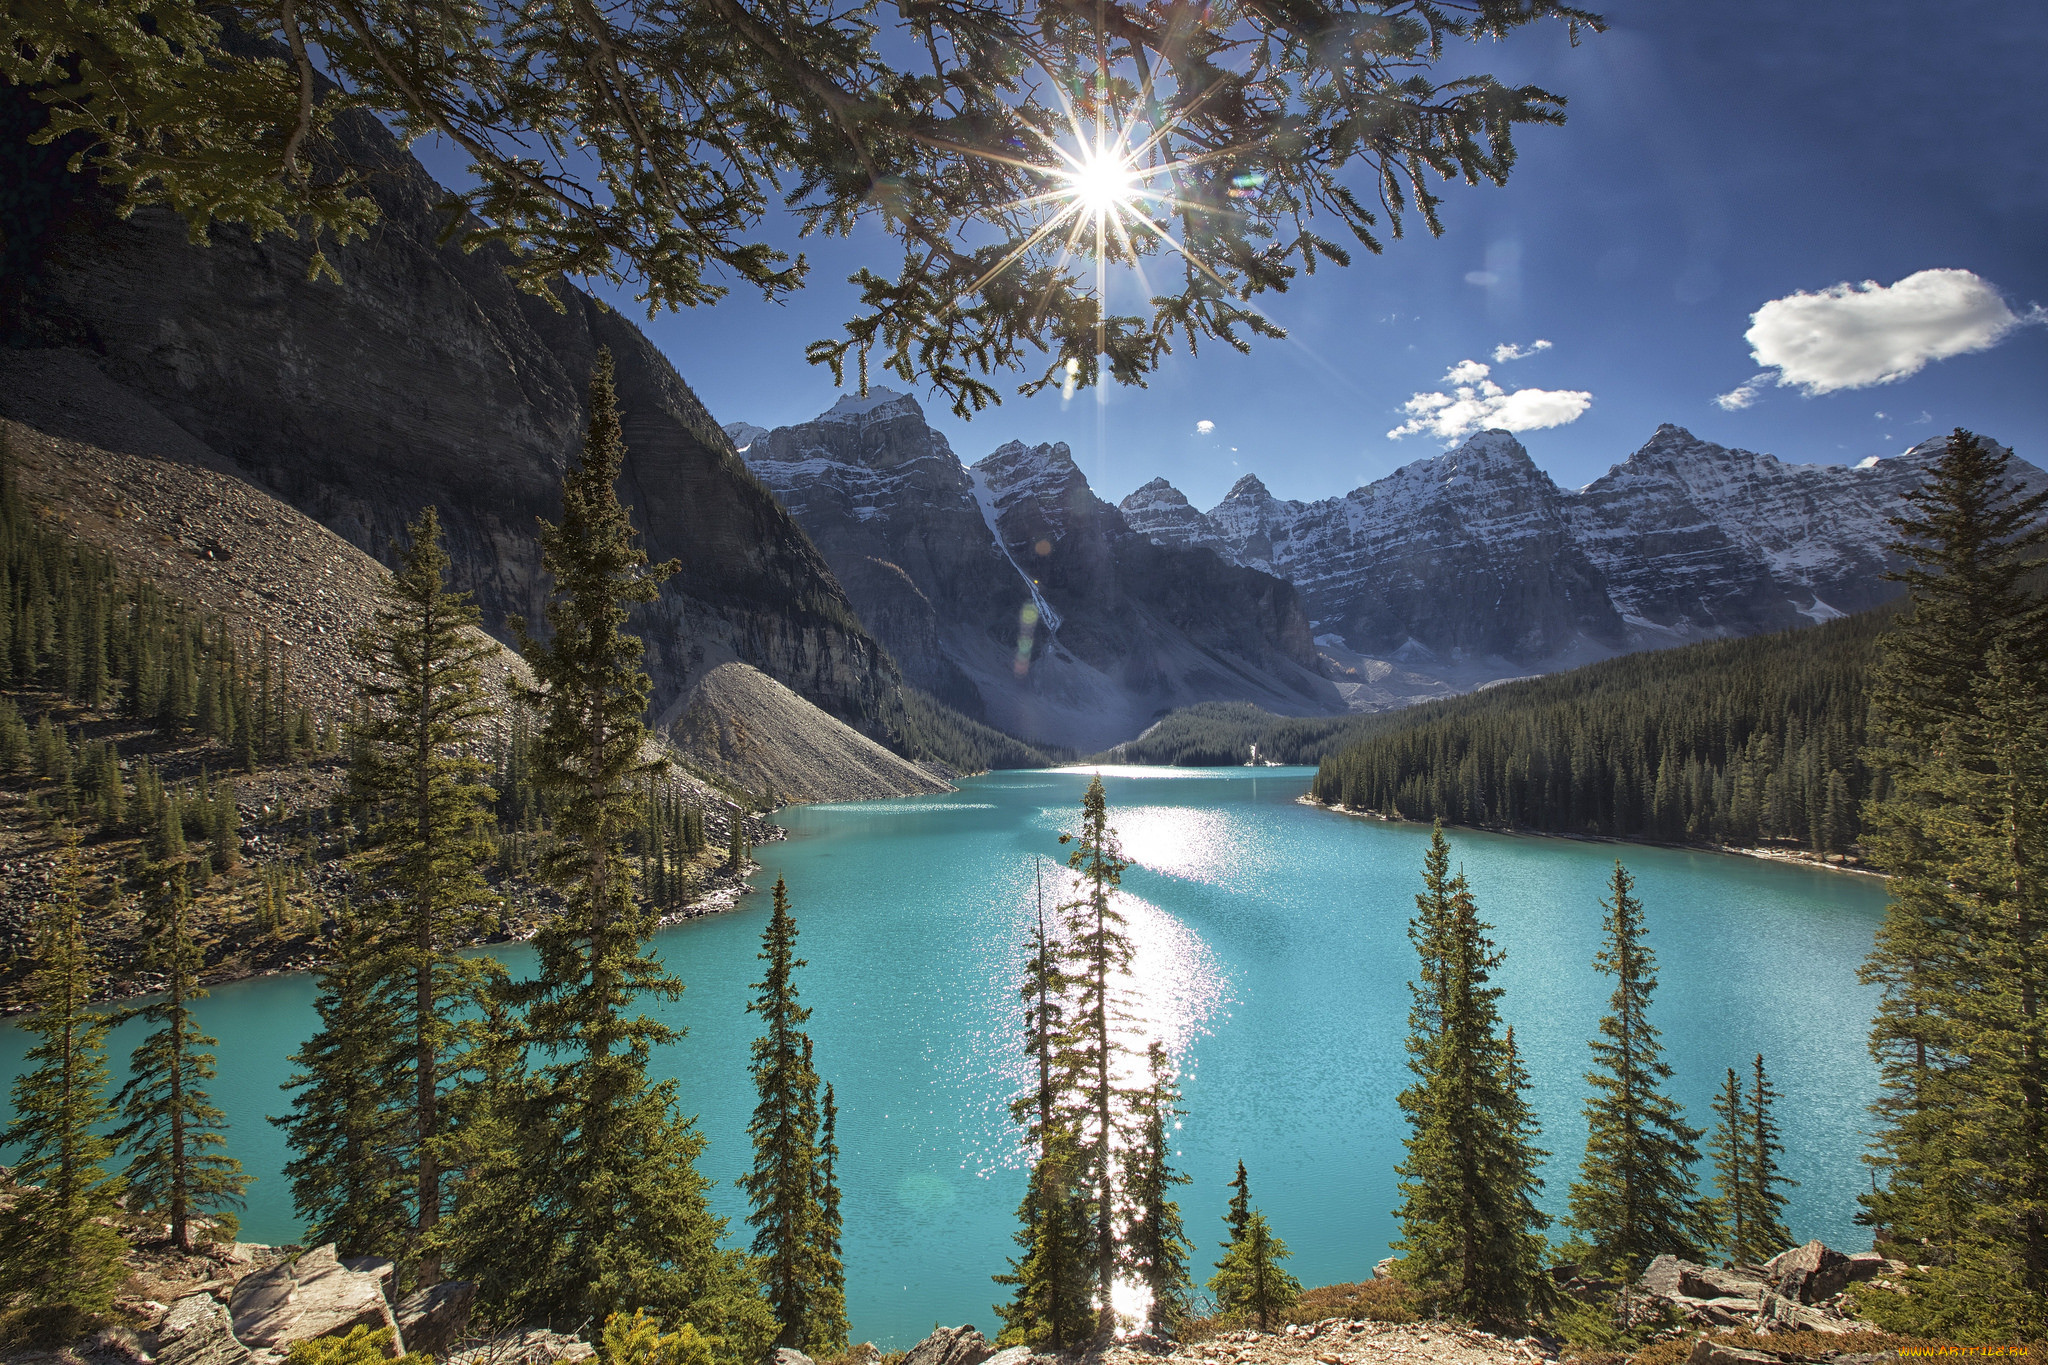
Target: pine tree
{"points": [[1249, 1283], [736, 843], [1052, 1275], [1635, 1197], [415, 771], [1730, 1147], [346, 1127], [1961, 727], [828, 1316], [1156, 1242], [1239, 1211], [1768, 1232], [172, 1128], [53, 1250], [1471, 1232], [613, 1212], [785, 1183], [1100, 953]]}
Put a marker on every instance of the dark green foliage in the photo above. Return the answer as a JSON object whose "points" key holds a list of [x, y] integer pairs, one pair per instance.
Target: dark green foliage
{"points": [[736, 842], [348, 1182], [1054, 1278], [1239, 1211], [1156, 1244], [1961, 707], [1098, 957], [1222, 733], [1249, 1284], [1471, 1233], [605, 1208], [1727, 742], [785, 1187], [1749, 1209], [927, 729], [415, 778], [1635, 1197], [53, 1252], [178, 1169]]}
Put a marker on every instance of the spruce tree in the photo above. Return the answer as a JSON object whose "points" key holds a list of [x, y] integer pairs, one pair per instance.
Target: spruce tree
{"points": [[416, 775], [1960, 711], [1768, 1233], [1635, 1197], [613, 1212], [1156, 1242], [1052, 1275], [1471, 1232], [785, 1184], [1249, 1283], [54, 1252], [173, 1130], [1729, 1145], [1099, 951], [1239, 1211], [828, 1317], [347, 1126]]}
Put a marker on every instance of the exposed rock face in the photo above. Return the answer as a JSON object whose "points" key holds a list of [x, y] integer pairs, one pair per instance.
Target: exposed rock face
{"points": [[537, 1347], [950, 1346], [1461, 556], [199, 1331], [1812, 1273], [309, 1297], [1478, 553], [1014, 593], [426, 378]]}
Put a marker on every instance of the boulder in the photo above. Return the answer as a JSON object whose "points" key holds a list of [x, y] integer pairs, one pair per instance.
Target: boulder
{"points": [[1871, 1265], [538, 1347], [1811, 1274], [1661, 1277], [309, 1297], [198, 1331], [1010, 1355], [1707, 1351], [385, 1271], [864, 1353], [1777, 1313], [1670, 1278], [1384, 1270], [789, 1355], [950, 1346], [433, 1319]]}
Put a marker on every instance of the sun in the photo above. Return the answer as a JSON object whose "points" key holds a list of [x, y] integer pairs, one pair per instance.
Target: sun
{"points": [[1102, 183]]}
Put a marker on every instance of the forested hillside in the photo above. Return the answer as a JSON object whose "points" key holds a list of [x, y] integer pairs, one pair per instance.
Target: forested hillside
{"points": [[1222, 732], [1731, 741]]}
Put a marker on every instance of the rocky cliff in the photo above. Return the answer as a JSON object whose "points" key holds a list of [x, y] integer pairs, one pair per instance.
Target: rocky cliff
{"points": [[423, 377], [1011, 591], [1475, 562]]}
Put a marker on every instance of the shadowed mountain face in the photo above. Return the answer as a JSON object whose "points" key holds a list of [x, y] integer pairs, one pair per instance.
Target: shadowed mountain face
{"points": [[1476, 554], [424, 377], [1010, 590]]}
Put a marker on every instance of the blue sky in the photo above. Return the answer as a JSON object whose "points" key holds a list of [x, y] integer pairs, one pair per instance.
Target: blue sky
{"points": [[1720, 154]]}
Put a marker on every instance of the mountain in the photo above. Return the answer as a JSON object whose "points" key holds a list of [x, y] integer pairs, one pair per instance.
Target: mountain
{"points": [[1009, 590], [422, 377], [1475, 562]]}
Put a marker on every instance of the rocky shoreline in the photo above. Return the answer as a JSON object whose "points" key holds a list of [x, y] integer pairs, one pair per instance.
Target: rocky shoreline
{"points": [[1826, 863]]}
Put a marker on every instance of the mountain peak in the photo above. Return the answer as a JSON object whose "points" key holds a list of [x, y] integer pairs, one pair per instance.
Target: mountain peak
{"points": [[880, 402], [1157, 493], [1248, 489], [743, 435], [1492, 443]]}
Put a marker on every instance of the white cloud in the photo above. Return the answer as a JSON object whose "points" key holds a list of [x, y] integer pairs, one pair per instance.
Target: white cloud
{"points": [[1481, 277], [1855, 335], [1743, 394], [1204, 427], [1508, 350], [1475, 402]]}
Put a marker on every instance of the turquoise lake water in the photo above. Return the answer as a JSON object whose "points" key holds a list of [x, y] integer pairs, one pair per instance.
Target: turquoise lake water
{"points": [[1272, 958]]}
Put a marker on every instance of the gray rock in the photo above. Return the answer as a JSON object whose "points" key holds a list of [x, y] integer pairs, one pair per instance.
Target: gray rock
{"points": [[198, 1331], [1384, 1270], [1722, 1312], [789, 1355], [433, 1319], [538, 1347], [307, 1298], [1777, 1313], [1869, 1265], [1812, 1273], [950, 1346], [385, 1271], [1010, 1355], [1662, 1276], [864, 1353]]}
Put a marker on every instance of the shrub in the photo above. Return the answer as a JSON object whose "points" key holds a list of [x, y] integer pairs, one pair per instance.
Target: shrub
{"points": [[637, 1340], [360, 1347]]}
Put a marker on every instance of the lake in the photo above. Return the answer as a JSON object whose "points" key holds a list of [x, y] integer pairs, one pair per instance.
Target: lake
{"points": [[1272, 959]]}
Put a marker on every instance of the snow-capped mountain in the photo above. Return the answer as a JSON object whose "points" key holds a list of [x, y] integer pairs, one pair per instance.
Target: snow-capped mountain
{"points": [[1011, 591], [1477, 554]]}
